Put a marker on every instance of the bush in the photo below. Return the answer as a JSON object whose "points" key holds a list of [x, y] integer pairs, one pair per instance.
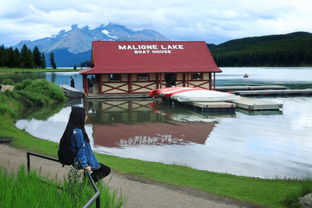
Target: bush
{"points": [[36, 90], [23, 84], [292, 201], [47, 88], [32, 98], [8, 82]]}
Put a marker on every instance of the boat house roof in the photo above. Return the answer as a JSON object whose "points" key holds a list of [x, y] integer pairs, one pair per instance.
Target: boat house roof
{"points": [[150, 57]]}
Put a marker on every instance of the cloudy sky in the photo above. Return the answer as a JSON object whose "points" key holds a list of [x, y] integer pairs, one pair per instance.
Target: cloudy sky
{"points": [[214, 21]]}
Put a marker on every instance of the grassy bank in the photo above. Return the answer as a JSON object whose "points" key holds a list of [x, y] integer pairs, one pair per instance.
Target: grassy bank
{"points": [[22, 189], [272, 193], [11, 70]]}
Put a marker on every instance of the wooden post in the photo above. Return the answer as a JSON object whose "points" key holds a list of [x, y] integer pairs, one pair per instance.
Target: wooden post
{"points": [[157, 81], [184, 84], [130, 90], [210, 81], [85, 84], [214, 80], [100, 84]]}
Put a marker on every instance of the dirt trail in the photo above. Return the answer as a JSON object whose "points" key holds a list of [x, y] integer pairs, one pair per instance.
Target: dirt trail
{"points": [[139, 192]]}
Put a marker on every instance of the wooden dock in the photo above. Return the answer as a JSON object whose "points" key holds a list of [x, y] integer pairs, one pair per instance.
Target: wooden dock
{"points": [[204, 107], [142, 96], [250, 87], [257, 105], [280, 93]]}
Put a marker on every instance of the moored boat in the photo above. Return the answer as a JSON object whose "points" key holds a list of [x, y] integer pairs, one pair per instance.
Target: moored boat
{"points": [[71, 92], [188, 94]]}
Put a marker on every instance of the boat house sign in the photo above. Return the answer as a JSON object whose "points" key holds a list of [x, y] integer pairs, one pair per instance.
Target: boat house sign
{"points": [[154, 49]]}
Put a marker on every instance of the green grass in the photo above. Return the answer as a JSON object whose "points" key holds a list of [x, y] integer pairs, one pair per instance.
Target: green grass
{"points": [[272, 193], [6, 69], [22, 190]]}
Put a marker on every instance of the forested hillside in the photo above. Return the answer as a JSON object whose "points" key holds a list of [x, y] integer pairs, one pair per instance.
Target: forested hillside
{"points": [[294, 49]]}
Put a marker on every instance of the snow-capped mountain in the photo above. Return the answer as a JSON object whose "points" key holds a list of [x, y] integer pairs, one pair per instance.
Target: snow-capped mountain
{"points": [[78, 40], [74, 46]]}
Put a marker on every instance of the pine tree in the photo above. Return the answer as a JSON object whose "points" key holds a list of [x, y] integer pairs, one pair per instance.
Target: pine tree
{"points": [[9, 58], [26, 60], [16, 58], [37, 58], [2, 51], [52, 61], [43, 62]]}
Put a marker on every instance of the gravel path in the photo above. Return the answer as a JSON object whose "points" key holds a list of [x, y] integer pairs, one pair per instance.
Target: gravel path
{"points": [[139, 192]]}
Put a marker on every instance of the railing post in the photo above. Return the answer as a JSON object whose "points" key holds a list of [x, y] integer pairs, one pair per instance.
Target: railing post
{"points": [[28, 162], [98, 202]]}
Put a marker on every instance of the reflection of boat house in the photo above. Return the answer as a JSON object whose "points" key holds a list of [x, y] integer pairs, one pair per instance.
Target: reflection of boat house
{"points": [[136, 67], [123, 123]]}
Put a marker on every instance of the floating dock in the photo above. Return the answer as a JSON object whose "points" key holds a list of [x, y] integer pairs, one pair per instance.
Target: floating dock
{"points": [[280, 93], [250, 87], [224, 107], [229, 107], [257, 105]]}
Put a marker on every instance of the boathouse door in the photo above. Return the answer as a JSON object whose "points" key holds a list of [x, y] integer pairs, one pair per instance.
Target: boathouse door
{"points": [[170, 79]]}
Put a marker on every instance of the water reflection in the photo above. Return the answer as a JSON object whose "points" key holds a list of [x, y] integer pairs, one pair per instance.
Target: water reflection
{"points": [[133, 123]]}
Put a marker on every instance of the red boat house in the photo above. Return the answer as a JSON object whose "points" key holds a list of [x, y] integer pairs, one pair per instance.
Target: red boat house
{"points": [[136, 67]]}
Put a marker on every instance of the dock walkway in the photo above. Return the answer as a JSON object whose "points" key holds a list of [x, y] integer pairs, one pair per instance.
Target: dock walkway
{"points": [[280, 93], [256, 105], [250, 87]]}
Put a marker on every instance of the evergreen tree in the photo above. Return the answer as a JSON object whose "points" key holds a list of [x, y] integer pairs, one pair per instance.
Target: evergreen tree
{"points": [[9, 58], [2, 51], [26, 60], [37, 58], [16, 58], [52, 61], [43, 62]]}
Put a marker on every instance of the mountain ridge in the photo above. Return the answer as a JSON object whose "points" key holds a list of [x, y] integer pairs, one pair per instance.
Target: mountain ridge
{"points": [[78, 40], [74, 46]]}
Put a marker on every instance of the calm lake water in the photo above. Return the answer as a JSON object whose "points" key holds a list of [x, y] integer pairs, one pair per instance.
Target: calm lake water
{"points": [[265, 144]]}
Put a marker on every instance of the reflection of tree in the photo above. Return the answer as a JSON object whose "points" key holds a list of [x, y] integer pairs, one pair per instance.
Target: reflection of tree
{"points": [[53, 77], [42, 113]]}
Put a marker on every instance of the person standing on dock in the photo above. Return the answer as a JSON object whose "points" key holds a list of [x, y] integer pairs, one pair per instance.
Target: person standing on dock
{"points": [[72, 82]]}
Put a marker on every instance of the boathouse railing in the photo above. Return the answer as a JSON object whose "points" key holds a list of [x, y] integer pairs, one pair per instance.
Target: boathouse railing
{"points": [[95, 197]]}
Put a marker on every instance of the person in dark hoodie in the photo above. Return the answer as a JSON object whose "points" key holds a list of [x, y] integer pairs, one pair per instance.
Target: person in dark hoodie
{"points": [[80, 141]]}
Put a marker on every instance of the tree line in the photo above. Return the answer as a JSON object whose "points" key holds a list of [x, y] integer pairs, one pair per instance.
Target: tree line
{"points": [[24, 58], [294, 49]]}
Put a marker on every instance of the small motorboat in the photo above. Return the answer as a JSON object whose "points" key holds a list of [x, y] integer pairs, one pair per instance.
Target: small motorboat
{"points": [[71, 92], [245, 75]]}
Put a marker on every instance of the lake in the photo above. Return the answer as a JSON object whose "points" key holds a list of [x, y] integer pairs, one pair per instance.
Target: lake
{"points": [[265, 144]]}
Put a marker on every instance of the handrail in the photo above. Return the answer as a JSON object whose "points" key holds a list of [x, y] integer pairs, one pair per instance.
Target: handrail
{"points": [[96, 196]]}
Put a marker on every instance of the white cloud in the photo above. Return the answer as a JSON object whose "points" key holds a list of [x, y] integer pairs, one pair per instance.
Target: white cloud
{"points": [[210, 20]]}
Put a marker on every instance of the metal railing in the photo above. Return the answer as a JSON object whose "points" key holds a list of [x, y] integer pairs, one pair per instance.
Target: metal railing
{"points": [[95, 197]]}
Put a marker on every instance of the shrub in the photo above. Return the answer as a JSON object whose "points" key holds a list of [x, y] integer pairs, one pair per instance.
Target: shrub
{"points": [[292, 201], [47, 88], [23, 84], [8, 82]]}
